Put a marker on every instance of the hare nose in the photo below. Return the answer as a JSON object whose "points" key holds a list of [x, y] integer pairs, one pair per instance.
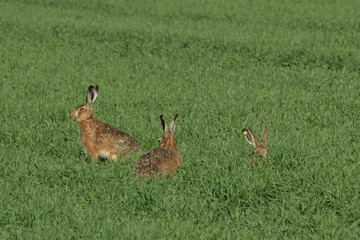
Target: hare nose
{"points": [[72, 116]]}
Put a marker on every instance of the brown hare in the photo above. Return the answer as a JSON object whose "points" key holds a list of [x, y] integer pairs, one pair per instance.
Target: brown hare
{"points": [[259, 149], [101, 139], [161, 161]]}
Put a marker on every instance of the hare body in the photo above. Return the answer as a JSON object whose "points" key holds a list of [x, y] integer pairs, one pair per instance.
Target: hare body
{"points": [[259, 148], [100, 139], [161, 161]]}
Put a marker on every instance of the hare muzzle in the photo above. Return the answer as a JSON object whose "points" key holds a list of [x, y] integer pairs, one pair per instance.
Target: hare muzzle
{"points": [[73, 115]]}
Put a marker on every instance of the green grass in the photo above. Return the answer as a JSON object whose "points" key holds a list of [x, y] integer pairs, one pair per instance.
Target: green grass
{"points": [[223, 66]]}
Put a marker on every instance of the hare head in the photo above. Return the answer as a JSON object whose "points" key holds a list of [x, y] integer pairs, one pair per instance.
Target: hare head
{"points": [[167, 140], [85, 111], [259, 149]]}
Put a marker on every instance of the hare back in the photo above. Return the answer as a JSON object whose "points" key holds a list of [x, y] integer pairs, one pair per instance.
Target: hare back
{"points": [[108, 136], [158, 160]]}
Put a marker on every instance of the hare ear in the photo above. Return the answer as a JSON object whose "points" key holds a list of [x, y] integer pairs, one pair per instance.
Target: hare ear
{"points": [[92, 93], [163, 124], [263, 136], [250, 137], [173, 123]]}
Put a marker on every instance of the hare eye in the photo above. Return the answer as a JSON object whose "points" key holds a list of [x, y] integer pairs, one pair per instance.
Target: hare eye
{"points": [[82, 109]]}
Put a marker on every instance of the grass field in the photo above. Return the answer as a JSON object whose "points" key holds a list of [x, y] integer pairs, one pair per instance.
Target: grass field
{"points": [[222, 66]]}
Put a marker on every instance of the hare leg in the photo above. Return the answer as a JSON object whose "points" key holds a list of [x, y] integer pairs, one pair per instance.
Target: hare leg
{"points": [[254, 157], [91, 149], [113, 157], [94, 158]]}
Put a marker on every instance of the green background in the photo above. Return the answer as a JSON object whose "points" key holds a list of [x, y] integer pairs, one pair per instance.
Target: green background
{"points": [[222, 66]]}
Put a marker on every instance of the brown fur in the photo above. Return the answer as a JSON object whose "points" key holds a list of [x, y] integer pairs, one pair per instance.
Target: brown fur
{"points": [[259, 149], [100, 138], [161, 161]]}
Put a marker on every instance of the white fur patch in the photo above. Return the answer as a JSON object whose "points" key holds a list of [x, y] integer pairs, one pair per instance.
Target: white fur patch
{"points": [[104, 154]]}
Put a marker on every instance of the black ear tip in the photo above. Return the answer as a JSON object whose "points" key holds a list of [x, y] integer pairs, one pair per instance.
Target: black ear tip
{"points": [[91, 87], [161, 117], [244, 131], [176, 116]]}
